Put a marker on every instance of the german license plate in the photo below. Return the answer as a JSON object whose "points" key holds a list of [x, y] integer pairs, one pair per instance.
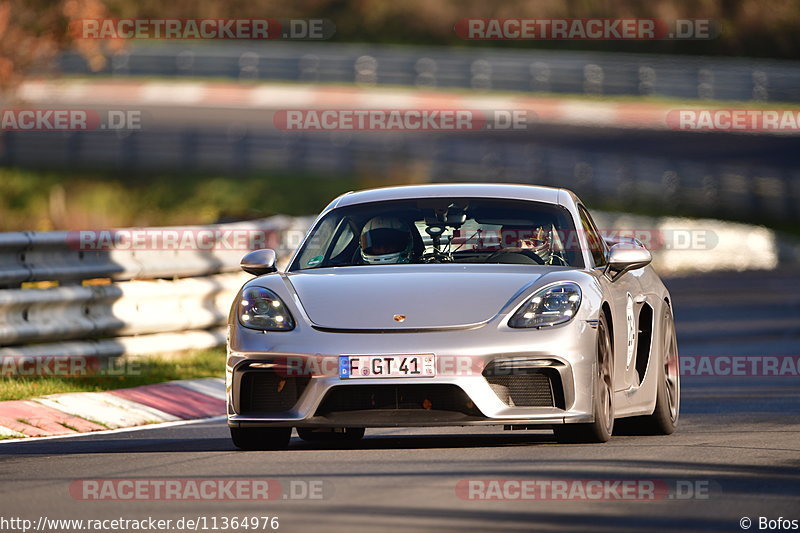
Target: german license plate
{"points": [[386, 366]]}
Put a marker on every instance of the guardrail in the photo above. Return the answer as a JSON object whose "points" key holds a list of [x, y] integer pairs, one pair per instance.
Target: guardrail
{"points": [[140, 298], [61, 256], [548, 71]]}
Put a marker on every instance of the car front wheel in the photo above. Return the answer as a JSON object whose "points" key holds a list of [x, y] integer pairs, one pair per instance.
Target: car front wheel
{"points": [[603, 397]]}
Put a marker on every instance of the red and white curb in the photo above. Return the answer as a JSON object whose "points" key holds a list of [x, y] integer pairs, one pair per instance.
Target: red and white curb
{"points": [[584, 112], [83, 412], [548, 110]]}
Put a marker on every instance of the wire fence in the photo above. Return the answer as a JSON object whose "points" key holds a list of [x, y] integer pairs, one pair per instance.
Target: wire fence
{"points": [[544, 71]]}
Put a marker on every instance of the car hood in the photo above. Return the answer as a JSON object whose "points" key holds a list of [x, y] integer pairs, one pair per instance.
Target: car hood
{"points": [[429, 296]]}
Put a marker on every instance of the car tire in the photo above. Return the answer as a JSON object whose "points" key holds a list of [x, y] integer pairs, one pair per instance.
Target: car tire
{"points": [[664, 419], [602, 397], [349, 434], [261, 438]]}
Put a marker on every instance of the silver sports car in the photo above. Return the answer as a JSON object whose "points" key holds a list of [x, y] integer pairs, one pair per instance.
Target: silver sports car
{"points": [[452, 305]]}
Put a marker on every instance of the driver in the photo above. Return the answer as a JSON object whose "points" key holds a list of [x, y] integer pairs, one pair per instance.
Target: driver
{"points": [[544, 242], [386, 240]]}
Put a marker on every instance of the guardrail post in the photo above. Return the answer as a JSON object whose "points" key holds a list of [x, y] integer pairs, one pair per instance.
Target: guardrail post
{"points": [[240, 149], [184, 62], [481, 71], [120, 63], [670, 188], [128, 150], [248, 66], [705, 83], [73, 145], [366, 70], [308, 68], [760, 86], [7, 147], [540, 77], [593, 78], [425, 68], [647, 80], [791, 197], [189, 149]]}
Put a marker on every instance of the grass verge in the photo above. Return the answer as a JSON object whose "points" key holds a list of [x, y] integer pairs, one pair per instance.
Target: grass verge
{"points": [[140, 371], [80, 199]]}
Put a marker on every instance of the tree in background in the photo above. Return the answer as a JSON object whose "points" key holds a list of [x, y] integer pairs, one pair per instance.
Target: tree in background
{"points": [[32, 32], [757, 28]]}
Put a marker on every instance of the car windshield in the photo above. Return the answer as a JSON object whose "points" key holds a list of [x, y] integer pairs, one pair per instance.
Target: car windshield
{"points": [[442, 230]]}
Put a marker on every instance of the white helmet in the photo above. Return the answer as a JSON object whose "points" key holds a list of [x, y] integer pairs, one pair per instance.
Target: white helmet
{"points": [[386, 240]]}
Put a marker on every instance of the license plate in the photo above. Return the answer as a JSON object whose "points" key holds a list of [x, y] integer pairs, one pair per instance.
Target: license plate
{"points": [[386, 366]]}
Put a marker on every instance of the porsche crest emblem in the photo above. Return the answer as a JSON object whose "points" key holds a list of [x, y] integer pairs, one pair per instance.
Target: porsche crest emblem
{"points": [[399, 318]]}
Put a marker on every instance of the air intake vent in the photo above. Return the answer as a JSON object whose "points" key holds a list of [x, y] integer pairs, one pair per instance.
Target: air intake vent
{"points": [[526, 387], [423, 397], [267, 392]]}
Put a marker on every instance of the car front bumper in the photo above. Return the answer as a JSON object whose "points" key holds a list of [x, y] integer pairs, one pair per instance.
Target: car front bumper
{"points": [[310, 357]]}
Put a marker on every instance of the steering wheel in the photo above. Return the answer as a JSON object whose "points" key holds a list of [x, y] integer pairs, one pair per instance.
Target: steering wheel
{"points": [[527, 253], [433, 257]]}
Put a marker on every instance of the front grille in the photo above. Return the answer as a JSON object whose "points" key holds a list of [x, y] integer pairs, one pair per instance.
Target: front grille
{"points": [[526, 387], [403, 397], [267, 392]]}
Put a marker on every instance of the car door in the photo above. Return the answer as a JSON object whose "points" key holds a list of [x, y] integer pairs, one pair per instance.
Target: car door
{"points": [[626, 297]]}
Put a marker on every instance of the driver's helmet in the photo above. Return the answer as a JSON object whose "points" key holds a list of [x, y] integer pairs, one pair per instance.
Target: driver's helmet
{"points": [[386, 240]]}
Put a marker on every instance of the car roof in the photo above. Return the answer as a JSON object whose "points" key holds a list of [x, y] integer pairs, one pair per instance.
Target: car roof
{"points": [[474, 190]]}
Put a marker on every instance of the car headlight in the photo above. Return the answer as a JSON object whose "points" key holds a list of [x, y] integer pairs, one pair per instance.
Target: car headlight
{"points": [[550, 306], [262, 309]]}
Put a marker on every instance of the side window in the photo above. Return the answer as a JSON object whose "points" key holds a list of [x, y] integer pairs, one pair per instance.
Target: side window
{"points": [[593, 237]]}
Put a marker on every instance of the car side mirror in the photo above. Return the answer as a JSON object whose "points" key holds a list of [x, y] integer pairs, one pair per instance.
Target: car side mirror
{"points": [[259, 262], [626, 256]]}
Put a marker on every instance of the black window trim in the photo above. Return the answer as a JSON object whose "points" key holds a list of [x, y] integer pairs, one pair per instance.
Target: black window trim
{"points": [[582, 211]]}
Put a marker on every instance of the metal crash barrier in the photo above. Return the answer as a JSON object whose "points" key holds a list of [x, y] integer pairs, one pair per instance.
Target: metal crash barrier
{"points": [[127, 291]]}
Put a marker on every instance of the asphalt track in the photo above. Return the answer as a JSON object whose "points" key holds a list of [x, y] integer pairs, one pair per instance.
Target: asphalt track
{"points": [[738, 446]]}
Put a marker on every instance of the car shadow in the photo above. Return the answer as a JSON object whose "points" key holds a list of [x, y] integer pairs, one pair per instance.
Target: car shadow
{"points": [[197, 439]]}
